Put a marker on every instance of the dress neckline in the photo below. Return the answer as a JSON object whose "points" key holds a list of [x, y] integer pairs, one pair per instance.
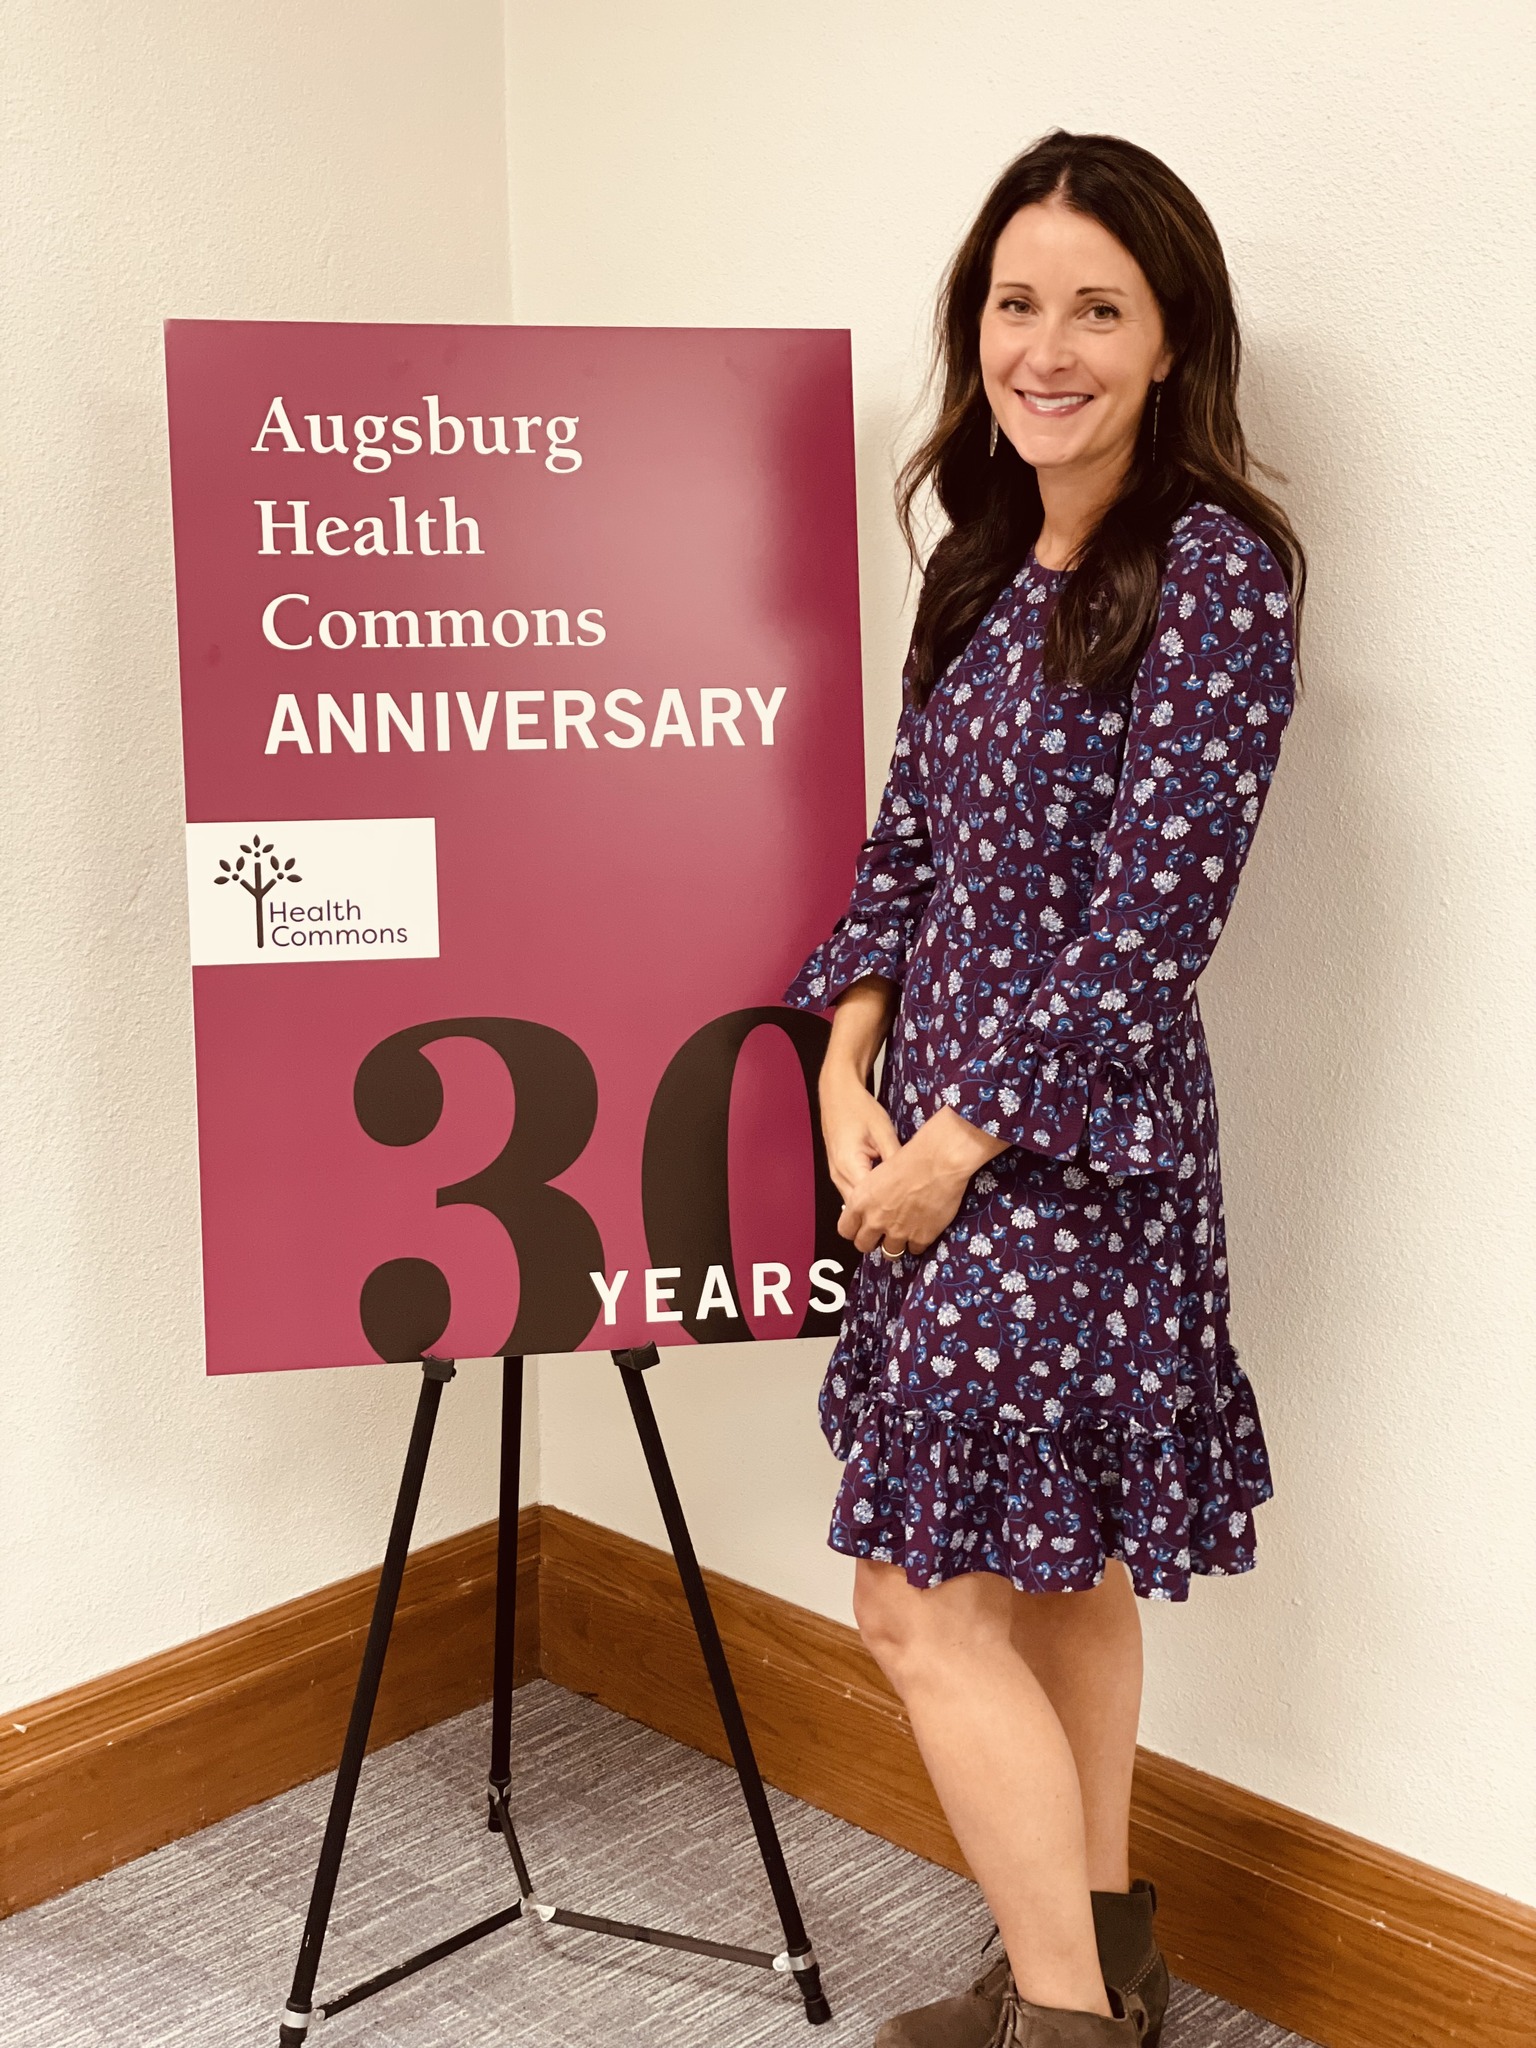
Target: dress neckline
{"points": [[1036, 567]]}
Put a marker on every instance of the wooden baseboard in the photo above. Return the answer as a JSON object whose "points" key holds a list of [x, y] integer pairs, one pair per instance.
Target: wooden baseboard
{"points": [[1346, 1942], [1349, 1943], [100, 1774]]}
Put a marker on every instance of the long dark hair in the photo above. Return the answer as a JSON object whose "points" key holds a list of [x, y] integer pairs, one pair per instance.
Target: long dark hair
{"points": [[1108, 607]]}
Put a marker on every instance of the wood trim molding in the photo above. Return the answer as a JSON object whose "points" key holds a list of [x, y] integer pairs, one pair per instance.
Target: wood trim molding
{"points": [[1347, 1942], [1342, 1940], [109, 1770]]}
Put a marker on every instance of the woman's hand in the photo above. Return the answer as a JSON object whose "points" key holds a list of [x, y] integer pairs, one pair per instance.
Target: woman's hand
{"points": [[905, 1201], [895, 1195], [855, 1128]]}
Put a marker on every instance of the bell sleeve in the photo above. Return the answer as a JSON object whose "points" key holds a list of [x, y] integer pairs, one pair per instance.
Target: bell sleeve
{"points": [[1083, 1069], [893, 880]]}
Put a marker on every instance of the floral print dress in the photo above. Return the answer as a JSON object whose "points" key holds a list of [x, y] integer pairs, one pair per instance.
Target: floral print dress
{"points": [[1051, 1383]]}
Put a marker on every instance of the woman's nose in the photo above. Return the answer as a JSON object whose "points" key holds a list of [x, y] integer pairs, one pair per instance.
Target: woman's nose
{"points": [[1049, 350]]}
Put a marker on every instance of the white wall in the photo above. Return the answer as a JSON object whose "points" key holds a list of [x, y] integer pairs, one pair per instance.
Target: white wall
{"points": [[813, 162], [260, 158]]}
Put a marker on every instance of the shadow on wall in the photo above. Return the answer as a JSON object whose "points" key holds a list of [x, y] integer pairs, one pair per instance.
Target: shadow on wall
{"points": [[1304, 996]]}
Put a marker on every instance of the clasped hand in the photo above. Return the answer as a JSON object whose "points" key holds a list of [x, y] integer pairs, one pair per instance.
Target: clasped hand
{"points": [[898, 1196]]}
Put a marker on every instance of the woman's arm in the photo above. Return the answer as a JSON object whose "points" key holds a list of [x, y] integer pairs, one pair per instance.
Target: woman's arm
{"points": [[1082, 1056], [898, 1195], [857, 1130], [893, 880]]}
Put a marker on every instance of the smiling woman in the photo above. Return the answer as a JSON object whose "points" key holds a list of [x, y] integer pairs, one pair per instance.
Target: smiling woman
{"points": [[1088, 316], [1034, 1391]]}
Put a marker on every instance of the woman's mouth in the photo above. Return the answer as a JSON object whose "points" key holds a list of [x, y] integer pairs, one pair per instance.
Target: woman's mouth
{"points": [[1053, 405]]}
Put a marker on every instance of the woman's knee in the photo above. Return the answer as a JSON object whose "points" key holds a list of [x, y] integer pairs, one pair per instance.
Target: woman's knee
{"points": [[887, 1613], [909, 1629]]}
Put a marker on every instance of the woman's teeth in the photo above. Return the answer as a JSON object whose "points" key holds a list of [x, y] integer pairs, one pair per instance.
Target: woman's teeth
{"points": [[1068, 402]]}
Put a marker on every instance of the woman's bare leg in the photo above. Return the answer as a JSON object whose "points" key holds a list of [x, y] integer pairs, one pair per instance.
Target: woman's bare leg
{"points": [[1085, 1649], [1001, 1764]]}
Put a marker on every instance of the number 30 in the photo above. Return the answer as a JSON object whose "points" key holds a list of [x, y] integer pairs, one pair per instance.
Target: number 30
{"points": [[684, 1178]]}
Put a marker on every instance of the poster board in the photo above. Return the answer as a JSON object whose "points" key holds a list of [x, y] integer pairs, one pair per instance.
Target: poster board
{"points": [[523, 749]]}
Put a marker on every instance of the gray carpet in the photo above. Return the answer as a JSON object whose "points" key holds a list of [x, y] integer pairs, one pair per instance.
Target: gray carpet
{"points": [[193, 1946]]}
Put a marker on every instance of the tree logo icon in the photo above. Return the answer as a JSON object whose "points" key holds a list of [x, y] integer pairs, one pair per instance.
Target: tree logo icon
{"points": [[258, 885]]}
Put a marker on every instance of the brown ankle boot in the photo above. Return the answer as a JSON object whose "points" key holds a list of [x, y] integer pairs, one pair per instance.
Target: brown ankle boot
{"points": [[1129, 1956], [1022, 2025], [967, 2020]]}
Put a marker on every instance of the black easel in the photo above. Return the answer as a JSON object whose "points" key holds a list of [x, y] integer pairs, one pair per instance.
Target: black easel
{"points": [[795, 1959]]}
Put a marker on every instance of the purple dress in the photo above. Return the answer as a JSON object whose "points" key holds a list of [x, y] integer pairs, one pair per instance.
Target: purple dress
{"points": [[1052, 1382]]}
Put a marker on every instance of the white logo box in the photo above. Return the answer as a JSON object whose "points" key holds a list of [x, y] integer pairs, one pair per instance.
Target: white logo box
{"points": [[293, 891]]}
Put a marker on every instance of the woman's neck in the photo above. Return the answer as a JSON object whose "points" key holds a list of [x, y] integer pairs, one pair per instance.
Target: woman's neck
{"points": [[1074, 500]]}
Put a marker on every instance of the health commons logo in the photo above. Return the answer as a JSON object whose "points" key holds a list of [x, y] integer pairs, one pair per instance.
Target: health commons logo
{"points": [[312, 891], [254, 851]]}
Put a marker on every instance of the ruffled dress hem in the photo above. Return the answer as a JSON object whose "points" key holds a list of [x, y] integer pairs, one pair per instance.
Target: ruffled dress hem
{"points": [[1047, 1507]]}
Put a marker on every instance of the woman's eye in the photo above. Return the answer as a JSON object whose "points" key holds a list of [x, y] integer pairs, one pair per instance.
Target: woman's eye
{"points": [[1103, 307], [1013, 305]]}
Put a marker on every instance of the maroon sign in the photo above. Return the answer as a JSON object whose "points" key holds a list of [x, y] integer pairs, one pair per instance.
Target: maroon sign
{"points": [[521, 711]]}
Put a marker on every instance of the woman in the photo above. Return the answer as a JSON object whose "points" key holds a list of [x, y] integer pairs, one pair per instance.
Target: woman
{"points": [[1034, 1390]]}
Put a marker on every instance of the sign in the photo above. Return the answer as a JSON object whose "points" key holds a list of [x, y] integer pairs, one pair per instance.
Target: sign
{"points": [[367, 890], [521, 715]]}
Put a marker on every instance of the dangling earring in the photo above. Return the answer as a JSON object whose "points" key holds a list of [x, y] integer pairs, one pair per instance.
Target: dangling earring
{"points": [[1157, 399], [992, 435]]}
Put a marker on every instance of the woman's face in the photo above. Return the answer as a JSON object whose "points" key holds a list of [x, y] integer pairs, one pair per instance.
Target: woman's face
{"points": [[1071, 339]]}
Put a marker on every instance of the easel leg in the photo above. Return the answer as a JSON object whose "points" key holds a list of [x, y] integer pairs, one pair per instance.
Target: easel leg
{"points": [[499, 1817], [632, 1365], [436, 1373]]}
